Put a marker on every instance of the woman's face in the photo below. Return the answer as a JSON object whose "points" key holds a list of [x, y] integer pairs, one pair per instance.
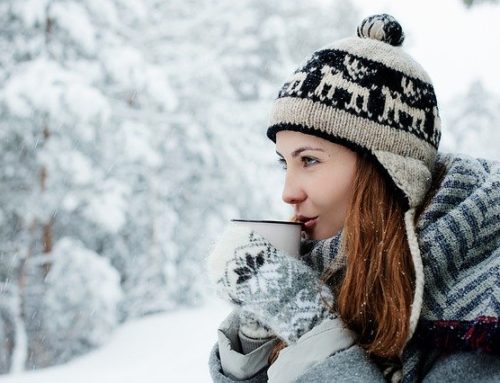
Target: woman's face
{"points": [[318, 181]]}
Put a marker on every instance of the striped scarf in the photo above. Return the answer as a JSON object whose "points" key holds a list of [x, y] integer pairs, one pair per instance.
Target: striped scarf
{"points": [[459, 238]]}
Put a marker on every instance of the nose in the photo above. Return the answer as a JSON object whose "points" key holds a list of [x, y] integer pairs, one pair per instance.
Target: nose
{"points": [[293, 192]]}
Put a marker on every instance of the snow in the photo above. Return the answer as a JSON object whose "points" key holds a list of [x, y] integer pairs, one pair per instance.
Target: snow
{"points": [[109, 208], [77, 166], [167, 347], [30, 12], [124, 64], [104, 10], [137, 143], [159, 88], [20, 350], [74, 19], [46, 86], [138, 113]]}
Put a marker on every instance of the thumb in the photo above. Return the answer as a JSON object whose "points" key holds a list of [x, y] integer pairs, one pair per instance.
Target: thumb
{"points": [[224, 249]]}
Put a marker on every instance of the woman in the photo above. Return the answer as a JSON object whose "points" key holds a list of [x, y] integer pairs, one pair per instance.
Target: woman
{"points": [[398, 278]]}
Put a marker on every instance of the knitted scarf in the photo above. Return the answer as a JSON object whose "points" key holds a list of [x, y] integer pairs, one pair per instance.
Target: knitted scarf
{"points": [[459, 240]]}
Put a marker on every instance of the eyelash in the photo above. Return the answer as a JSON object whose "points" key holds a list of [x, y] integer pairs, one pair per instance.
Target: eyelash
{"points": [[304, 159]]}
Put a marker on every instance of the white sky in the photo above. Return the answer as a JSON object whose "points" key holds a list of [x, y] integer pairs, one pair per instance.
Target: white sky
{"points": [[454, 44]]}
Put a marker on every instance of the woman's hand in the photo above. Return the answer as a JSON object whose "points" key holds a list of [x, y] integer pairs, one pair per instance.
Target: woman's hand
{"points": [[251, 327], [280, 291]]}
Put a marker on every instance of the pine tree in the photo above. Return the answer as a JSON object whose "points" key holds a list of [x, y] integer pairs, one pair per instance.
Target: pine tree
{"points": [[74, 308], [473, 123], [131, 133], [226, 75]]}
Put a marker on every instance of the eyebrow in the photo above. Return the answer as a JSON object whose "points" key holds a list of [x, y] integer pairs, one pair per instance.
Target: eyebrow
{"points": [[295, 153]]}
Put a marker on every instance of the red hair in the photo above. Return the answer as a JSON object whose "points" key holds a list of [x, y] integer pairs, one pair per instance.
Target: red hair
{"points": [[375, 295]]}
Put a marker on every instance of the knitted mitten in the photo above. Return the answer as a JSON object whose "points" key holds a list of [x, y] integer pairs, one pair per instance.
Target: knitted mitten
{"points": [[252, 327], [282, 292]]}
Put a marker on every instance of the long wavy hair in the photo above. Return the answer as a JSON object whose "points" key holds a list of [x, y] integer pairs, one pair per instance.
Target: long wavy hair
{"points": [[375, 294]]}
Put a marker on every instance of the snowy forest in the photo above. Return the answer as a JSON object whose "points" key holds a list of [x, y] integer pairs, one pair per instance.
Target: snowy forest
{"points": [[131, 132]]}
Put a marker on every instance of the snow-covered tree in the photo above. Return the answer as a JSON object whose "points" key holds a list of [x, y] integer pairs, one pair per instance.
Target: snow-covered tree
{"points": [[75, 307], [63, 102], [9, 307], [471, 3], [227, 73], [131, 132], [473, 122]]}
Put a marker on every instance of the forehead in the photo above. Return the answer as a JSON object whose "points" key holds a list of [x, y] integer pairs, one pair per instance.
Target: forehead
{"points": [[287, 138]]}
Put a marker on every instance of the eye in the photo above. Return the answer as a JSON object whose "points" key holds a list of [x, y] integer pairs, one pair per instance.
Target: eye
{"points": [[309, 161], [282, 162]]}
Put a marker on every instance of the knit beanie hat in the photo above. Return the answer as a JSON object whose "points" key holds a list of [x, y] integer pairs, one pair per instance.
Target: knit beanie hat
{"points": [[366, 93]]}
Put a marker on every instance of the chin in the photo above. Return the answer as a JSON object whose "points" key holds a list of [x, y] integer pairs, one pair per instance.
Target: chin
{"points": [[324, 235], [318, 236]]}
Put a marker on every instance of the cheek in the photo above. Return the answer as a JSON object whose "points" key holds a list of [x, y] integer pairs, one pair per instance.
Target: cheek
{"points": [[337, 188]]}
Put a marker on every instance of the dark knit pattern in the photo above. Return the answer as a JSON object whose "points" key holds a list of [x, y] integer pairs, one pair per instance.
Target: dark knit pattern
{"points": [[367, 89], [392, 31], [481, 334], [459, 237]]}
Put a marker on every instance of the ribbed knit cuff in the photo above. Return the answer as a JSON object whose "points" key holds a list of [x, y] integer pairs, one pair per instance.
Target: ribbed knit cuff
{"points": [[250, 344]]}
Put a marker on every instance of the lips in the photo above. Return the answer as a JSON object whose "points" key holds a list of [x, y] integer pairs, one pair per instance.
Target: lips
{"points": [[308, 222]]}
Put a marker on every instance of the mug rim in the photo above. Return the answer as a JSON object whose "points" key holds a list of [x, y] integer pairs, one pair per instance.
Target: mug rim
{"points": [[267, 221]]}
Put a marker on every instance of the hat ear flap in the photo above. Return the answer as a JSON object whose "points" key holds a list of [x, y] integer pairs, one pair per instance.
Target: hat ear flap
{"points": [[409, 174]]}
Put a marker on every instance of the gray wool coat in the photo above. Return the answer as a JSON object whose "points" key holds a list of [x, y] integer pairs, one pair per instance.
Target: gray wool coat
{"points": [[458, 336], [348, 365]]}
